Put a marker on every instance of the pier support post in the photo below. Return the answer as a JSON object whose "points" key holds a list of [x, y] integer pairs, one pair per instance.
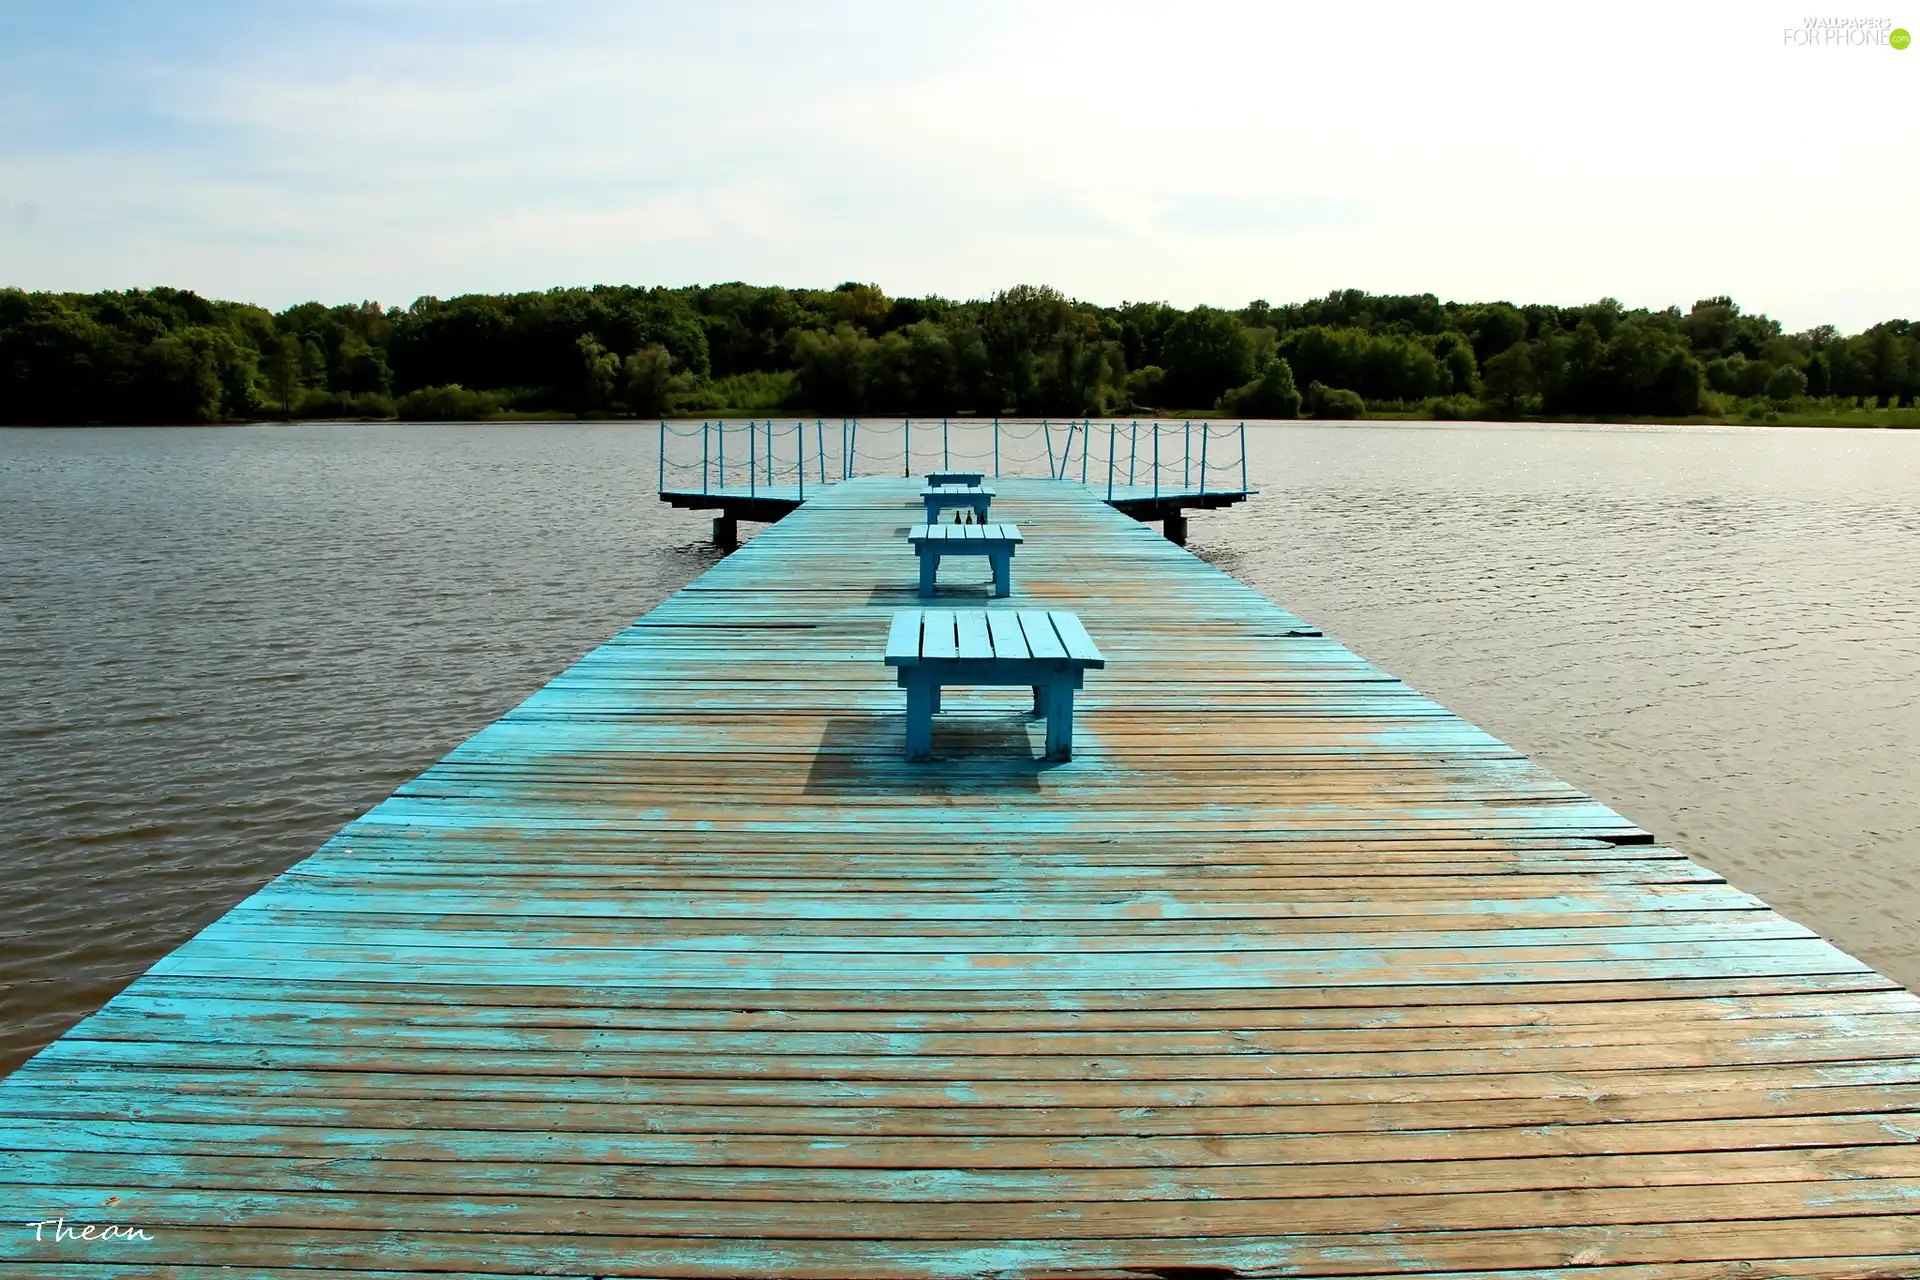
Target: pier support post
{"points": [[726, 532], [1175, 527]]}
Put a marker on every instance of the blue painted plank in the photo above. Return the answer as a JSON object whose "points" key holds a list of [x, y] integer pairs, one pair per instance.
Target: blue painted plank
{"points": [[903, 638], [1074, 638], [941, 637], [1042, 640], [974, 643], [1008, 640]]}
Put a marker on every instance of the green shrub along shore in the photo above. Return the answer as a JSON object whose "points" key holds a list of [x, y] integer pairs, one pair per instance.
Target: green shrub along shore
{"points": [[171, 356]]}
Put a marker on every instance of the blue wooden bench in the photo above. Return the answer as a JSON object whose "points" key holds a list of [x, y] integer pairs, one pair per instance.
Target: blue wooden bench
{"points": [[1047, 650], [994, 541], [956, 477], [939, 497]]}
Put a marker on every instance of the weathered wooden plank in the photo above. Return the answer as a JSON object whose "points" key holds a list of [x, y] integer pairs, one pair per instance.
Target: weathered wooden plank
{"points": [[1854, 1036], [940, 636], [1857, 1249], [327, 1102], [1074, 638], [974, 642], [321, 1053], [903, 639], [494, 1170], [1607, 1005], [167, 1209], [1042, 640], [1751, 1145], [1008, 641], [1880, 1267]]}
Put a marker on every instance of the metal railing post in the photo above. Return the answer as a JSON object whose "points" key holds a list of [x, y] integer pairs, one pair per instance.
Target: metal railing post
{"points": [[1133, 452], [769, 453], [1066, 452], [1086, 439], [800, 457], [996, 446], [753, 458], [820, 445], [1206, 434], [1113, 439], [704, 435], [1156, 457], [946, 455], [906, 447], [1186, 458], [1046, 430], [663, 455], [1243, 457]]}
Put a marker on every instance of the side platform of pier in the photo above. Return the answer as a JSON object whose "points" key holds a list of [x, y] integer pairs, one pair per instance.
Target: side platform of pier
{"points": [[772, 462], [680, 969]]}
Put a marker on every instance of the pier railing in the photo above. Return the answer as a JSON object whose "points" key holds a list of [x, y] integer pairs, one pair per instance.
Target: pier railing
{"points": [[1127, 459]]}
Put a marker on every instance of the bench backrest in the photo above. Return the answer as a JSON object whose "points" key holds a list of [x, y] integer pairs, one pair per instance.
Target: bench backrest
{"points": [[955, 477], [985, 635]]}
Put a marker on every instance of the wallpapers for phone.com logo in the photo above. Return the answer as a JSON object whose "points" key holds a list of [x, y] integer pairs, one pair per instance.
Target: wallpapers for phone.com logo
{"points": [[1846, 33]]}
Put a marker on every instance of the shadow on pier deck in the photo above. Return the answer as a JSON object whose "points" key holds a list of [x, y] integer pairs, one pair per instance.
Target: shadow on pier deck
{"points": [[678, 969]]}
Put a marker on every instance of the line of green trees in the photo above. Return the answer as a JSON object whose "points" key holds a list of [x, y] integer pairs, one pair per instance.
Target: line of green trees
{"points": [[168, 355]]}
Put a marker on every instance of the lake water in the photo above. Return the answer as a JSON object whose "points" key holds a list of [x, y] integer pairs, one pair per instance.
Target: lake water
{"points": [[219, 645]]}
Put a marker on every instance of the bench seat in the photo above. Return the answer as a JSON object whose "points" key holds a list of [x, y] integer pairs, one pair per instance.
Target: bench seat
{"points": [[939, 497], [1047, 650], [997, 542]]}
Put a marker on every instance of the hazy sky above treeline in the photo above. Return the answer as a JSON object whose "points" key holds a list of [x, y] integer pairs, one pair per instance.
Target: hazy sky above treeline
{"points": [[1191, 152]]}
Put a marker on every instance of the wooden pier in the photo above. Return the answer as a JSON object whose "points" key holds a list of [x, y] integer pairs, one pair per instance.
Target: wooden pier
{"points": [[679, 969]]}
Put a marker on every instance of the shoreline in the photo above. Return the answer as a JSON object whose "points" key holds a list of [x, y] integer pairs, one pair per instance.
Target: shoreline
{"points": [[1212, 415]]}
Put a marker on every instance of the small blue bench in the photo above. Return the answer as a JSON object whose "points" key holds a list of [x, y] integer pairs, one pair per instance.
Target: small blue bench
{"points": [[956, 477], [1047, 650], [994, 541], [939, 497]]}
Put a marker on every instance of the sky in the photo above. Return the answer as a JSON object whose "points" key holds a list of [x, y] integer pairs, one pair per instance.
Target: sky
{"points": [[1190, 151]]}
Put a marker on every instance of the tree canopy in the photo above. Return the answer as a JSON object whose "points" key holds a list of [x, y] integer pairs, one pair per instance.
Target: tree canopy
{"points": [[169, 355]]}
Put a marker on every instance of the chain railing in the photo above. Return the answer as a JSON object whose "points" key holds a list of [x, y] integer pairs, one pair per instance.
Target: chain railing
{"points": [[781, 457]]}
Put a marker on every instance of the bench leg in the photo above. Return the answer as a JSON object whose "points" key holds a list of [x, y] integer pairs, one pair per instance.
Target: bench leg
{"points": [[1060, 721], [1039, 700], [935, 696], [933, 511], [1002, 575], [929, 570], [920, 700]]}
